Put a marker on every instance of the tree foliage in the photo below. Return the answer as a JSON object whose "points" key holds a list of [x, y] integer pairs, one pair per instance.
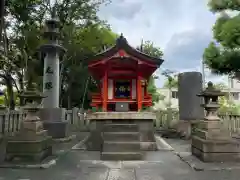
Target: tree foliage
{"points": [[227, 105], [222, 56], [171, 82], [148, 47], [82, 34]]}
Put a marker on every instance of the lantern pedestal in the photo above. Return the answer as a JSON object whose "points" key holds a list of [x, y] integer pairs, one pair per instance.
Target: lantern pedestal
{"points": [[211, 142], [32, 142]]}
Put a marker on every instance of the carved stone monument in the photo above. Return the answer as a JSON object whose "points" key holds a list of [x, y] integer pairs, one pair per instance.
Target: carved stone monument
{"points": [[189, 84], [51, 114], [211, 142], [32, 142]]}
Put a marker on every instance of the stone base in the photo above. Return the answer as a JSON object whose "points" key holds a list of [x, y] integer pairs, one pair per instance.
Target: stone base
{"points": [[2, 149], [121, 156], [54, 121], [148, 146], [215, 150], [29, 150], [57, 129], [144, 127], [52, 114], [185, 128]]}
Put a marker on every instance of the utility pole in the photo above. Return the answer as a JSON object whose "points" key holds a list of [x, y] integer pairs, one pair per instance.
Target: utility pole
{"points": [[203, 73]]}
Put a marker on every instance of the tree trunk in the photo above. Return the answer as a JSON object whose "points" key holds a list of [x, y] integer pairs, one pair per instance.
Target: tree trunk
{"points": [[21, 90], [69, 103], [11, 99]]}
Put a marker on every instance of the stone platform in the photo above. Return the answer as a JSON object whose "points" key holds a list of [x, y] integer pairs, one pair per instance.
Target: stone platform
{"points": [[121, 115], [132, 131]]}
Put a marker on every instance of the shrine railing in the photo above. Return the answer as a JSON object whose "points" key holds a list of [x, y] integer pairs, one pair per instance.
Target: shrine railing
{"points": [[169, 119], [10, 120]]}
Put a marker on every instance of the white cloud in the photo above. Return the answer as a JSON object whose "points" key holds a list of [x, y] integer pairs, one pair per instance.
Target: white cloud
{"points": [[182, 28]]}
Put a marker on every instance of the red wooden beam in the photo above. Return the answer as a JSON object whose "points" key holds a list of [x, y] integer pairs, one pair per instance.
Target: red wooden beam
{"points": [[105, 90], [139, 92]]}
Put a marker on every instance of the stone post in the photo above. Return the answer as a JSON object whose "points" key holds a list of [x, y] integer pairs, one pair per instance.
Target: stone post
{"points": [[32, 141], [52, 115], [189, 84], [2, 138], [211, 142]]}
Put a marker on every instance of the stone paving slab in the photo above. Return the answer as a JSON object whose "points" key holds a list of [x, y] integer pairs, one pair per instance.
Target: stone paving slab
{"points": [[183, 151], [121, 174], [86, 165], [198, 165]]}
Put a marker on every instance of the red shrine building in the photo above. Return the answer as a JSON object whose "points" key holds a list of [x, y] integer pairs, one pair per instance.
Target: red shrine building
{"points": [[123, 73]]}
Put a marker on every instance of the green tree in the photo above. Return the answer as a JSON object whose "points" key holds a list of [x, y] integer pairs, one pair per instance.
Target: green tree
{"points": [[227, 105], [148, 47], [171, 82], [222, 56], [82, 34]]}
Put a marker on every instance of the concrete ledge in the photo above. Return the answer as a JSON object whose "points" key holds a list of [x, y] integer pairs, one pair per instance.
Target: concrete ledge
{"points": [[198, 165], [121, 115], [162, 144], [81, 145], [66, 139], [44, 165]]}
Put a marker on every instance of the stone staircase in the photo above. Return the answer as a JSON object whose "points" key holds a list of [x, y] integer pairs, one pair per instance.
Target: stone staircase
{"points": [[121, 142]]}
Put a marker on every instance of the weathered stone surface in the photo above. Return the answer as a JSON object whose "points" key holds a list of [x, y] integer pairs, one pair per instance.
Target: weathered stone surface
{"points": [[28, 146], [214, 134], [209, 125], [52, 114], [120, 127], [216, 156], [185, 127], [57, 129], [121, 156], [29, 150], [121, 136], [121, 174], [3, 144], [32, 126], [148, 146], [189, 85], [28, 136], [119, 146], [215, 146], [121, 116]]}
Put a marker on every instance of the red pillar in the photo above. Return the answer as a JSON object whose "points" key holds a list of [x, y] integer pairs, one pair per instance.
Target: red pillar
{"points": [[105, 91], [139, 92]]}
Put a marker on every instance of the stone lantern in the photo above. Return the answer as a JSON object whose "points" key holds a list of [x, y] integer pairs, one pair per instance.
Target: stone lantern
{"points": [[211, 142], [32, 141], [210, 96]]}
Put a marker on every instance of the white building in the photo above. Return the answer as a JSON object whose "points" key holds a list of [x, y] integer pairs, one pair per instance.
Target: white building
{"points": [[171, 97]]}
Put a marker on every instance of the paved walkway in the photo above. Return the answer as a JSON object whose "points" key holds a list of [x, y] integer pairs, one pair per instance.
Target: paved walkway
{"points": [[82, 165]]}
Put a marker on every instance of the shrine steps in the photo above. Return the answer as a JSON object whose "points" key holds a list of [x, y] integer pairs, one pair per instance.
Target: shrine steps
{"points": [[120, 127], [121, 142], [121, 156], [121, 136]]}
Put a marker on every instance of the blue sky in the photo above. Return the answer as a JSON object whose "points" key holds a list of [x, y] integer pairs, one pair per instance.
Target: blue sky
{"points": [[181, 28]]}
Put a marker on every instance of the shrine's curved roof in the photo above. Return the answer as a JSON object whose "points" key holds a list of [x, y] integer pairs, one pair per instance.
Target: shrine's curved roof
{"points": [[121, 43]]}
